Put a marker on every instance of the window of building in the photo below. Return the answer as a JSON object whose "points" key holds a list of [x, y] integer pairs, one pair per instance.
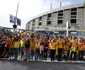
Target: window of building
{"points": [[60, 21], [74, 9], [60, 14], [81, 7], [49, 15], [40, 23], [73, 16], [73, 20], [40, 18], [73, 13], [48, 22], [33, 20], [66, 9], [33, 24], [60, 11]]}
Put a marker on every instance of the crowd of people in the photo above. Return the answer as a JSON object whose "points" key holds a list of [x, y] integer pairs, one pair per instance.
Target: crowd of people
{"points": [[35, 47]]}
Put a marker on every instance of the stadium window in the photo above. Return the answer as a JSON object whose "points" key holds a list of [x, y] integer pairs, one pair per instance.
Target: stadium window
{"points": [[33, 24], [73, 20], [60, 21], [40, 23], [81, 7], [66, 9], [48, 22], [49, 15], [60, 14], [33, 20], [73, 16], [73, 13], [60, 11], [74, 9], [40, 18]]}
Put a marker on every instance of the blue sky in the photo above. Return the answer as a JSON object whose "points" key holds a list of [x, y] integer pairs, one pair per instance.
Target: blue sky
{"points": [[28, 9], [72, 1]]}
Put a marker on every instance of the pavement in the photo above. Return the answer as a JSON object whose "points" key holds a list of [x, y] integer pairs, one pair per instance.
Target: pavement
{"points": [[40, 65]]}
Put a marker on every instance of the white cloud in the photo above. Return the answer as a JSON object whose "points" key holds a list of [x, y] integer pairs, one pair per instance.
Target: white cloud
{"points": [[27, 9]]}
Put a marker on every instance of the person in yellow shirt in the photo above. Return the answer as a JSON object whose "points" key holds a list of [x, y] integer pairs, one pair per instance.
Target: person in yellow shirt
{"points": [[67, 48], [16, 47], [73, 49], [52, 46], [60, 48], [32, 47], [11, 46], [22, 45]]}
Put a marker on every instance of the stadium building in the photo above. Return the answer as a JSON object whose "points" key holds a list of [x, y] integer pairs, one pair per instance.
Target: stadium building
{"points": [[55, 20]]}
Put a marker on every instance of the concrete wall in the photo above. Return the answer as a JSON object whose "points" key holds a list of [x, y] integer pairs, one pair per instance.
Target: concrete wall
{"points": [[54, 19], [44, 20], [81, 18], [36, 21], [66, 16]]}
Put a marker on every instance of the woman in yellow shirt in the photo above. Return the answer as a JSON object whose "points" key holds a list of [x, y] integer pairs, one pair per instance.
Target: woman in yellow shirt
{"points": [[52, 46], [16, 47], [60, 48]]}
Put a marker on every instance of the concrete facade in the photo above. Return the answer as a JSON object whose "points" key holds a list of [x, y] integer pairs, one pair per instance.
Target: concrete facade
{"points": [[57, 18]]}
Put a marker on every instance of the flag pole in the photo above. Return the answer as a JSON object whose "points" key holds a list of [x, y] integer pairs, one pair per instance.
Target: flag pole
{"points": [[15, 24], [17, 10]]}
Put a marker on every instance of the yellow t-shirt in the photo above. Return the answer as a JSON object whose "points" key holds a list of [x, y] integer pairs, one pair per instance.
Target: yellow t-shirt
{"points": [[32, 45], [74, 43], [60, 44], [11, 43], [56, 49], [16, 44], [67, 46], [37, 44], [22, 43], [52, 45]]}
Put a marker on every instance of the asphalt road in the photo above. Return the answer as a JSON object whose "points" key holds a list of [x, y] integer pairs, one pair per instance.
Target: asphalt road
{"points": [[22, 65]]}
